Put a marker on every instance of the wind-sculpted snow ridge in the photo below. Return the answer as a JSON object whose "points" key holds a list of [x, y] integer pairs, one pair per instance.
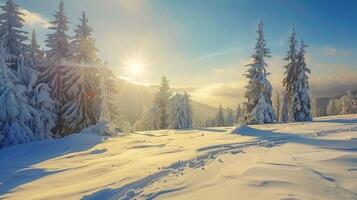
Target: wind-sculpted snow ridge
{"points": [[135, 189]]}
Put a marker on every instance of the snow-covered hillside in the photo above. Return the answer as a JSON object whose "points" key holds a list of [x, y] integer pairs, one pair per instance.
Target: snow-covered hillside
{"points": [[316, 160]]}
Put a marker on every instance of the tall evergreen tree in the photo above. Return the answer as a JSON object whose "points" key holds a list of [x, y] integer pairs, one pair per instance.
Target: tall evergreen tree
{"points": [[347, 103], [80, 79], [11, 23], [58, 45], [16, 115], [296, 82], [220, 116], [230, 119], [36, 54], [46, 117], [83, 48], [57, 42], [290, 76], [258, 94], [161, 101], [303, 111], [180, 112], [332, 108], [107, 110], [58, 48]]}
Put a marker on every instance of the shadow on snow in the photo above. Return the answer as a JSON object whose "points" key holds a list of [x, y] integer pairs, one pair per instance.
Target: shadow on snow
{"points": [[16, 162]]}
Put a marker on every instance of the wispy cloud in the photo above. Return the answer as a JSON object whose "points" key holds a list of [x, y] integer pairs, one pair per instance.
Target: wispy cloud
{"points": [[215, 54], [34, 19]]}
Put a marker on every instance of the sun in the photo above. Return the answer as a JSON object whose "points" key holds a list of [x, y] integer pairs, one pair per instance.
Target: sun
{"points": [[135, 68]]}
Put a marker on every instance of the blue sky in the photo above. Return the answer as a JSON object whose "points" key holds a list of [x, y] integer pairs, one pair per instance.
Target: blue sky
{"points": [[205, 43]]}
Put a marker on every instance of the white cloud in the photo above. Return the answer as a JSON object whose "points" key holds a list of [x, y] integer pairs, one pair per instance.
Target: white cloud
{"points": [[34, 19]]}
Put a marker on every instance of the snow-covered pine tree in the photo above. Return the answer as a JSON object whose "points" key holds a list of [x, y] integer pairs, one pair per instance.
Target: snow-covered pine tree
{"points": [[16, 115], [36, 54], [230, 119], [83, 49], [154, 118], [290, 77], [46, 118], [296, 82], [180, 112], [331, 107], [107, 110], [284, 109], [220, 116], [11, 23], [347, 103], [142, 124], [58, 48], [175, 111], [303, 111], [160, 103], [80, 80], [258, 108], [188, 109]]}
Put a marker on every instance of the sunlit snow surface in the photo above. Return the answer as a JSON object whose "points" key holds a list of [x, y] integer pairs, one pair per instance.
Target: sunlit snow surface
{"points": [[315, 160]]}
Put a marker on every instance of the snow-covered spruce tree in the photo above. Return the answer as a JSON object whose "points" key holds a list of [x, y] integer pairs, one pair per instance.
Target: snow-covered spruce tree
{"points": [[258, 108], [36, 54], [142, 124], [230, 119], [46, 118], [11, 23], [107, 111], [347, 103], [16, 115], [303, 111], [175, 111], [220, 117], [160, 103], [332, 108], [290, 77], [154, 118], [80, 80], [180, 114], [188, 110], [296, 82], [58, 47]]}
